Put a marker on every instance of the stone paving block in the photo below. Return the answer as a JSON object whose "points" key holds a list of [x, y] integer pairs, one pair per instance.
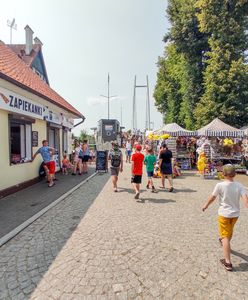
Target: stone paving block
{"points": [[97, 244]]}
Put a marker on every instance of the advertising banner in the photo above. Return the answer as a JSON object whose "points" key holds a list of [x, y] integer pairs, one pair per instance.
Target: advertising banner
{"points": [[13, 102]]}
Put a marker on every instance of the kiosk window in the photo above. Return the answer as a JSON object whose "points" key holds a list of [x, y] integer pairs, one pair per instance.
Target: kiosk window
{"points": [[20, 142]]}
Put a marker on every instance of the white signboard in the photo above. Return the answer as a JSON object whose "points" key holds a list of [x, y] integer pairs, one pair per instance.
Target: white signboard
{"points": [[13, 102], [58, 118]]}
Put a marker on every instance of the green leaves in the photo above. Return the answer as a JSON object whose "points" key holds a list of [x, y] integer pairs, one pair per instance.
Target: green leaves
{"points": [[203, 73], [225, 77]]}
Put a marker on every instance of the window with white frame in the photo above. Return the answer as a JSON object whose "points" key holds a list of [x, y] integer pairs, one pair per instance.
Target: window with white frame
{"points": [[20, 141]]}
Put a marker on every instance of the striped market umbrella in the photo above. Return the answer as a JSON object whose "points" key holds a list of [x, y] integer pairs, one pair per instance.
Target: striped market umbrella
{"points": [[219, 129], [173, 129], [245, 129]]}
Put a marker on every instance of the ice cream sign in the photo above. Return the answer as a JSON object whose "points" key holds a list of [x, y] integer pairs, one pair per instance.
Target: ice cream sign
{"points": [[15, 103]]}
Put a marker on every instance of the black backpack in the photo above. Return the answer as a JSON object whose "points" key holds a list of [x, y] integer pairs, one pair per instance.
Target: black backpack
{"points": [[115, 159], [42, 172]]}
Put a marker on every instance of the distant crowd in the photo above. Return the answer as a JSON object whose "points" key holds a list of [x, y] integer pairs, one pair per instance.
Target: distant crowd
{"points": [[156, 160]]}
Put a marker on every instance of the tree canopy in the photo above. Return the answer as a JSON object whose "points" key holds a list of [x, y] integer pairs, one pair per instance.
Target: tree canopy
{"points": [[203, 73]]}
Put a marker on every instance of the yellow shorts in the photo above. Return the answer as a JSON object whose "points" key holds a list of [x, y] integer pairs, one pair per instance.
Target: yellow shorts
{"points": [[226, 226]]}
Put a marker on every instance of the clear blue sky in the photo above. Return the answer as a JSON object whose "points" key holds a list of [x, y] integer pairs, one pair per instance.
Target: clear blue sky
{"points": [[85, 39]]}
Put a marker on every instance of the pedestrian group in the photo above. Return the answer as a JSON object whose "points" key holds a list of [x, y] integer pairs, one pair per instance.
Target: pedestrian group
{"points": [[228, 191]]}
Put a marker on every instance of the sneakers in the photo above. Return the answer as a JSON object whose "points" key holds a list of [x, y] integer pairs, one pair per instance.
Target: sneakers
{"points": [[227, 266], [154, 190]]}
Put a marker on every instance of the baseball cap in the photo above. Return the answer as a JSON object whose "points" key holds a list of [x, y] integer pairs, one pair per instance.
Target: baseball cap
{"points": [[138, 147]]}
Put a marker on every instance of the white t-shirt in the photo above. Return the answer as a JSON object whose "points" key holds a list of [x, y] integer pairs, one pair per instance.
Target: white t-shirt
{"points": [[128, 146], [229, 198]]}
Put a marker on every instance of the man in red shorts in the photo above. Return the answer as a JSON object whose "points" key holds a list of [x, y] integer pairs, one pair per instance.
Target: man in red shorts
{"points": [[49, 165], [137, 169]]}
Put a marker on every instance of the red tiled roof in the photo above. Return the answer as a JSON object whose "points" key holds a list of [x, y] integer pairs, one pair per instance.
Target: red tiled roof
{"points": [[20, 51], [14, 69]]}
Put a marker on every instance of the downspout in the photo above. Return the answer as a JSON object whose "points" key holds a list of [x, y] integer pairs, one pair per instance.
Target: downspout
{"points": [[83, 119]]}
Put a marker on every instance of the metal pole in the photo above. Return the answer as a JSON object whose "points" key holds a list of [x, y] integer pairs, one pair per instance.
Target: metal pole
{"points": [[108, 96], [148, 103], [121, 114], [134, 104]]}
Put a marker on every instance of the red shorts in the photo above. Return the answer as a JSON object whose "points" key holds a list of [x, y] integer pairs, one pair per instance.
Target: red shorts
{"points": [[51, 167]]}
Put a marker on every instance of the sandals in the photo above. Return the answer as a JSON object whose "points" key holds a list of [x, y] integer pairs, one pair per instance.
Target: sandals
{"points": [[136, 196], [227, 266], [171, 189]]}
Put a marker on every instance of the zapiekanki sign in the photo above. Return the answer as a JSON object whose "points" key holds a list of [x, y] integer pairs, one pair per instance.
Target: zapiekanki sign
{"points": [[15, 103]]}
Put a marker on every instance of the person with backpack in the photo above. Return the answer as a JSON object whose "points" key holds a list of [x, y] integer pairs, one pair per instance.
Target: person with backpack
{"points": [[116, 163]]}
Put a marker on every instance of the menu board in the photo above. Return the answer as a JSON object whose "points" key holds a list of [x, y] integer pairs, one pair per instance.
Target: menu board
{"points": [[102, 161], [34, 138]]}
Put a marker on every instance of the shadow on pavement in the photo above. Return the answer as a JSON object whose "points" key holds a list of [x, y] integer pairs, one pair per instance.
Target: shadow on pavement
{"points": [[242, 267], [22, 205], [152, 200], [127, 190], [184, 191], [241, 255], [36, 248]]}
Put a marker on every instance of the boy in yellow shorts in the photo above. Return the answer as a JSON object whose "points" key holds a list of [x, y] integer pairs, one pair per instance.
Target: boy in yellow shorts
{"points": [[229, 193]]}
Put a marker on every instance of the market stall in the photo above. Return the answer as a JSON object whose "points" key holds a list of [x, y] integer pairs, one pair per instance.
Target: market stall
{"points": [[181, 143], [221, 144]]}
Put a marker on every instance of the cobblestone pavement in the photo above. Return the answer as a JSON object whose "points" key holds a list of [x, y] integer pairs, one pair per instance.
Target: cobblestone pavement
{"points": [[18, 207], [107, 245]]}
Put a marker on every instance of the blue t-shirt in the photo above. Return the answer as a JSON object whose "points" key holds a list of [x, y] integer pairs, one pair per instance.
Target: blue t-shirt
{"points": [[45, 153]]}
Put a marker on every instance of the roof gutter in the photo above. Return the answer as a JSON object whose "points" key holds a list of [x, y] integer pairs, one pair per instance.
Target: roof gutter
{"points": [[83, 119]]}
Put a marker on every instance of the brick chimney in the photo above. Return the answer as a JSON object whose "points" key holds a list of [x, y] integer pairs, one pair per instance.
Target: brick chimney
{"points": [[38, 41], [29, 40]]}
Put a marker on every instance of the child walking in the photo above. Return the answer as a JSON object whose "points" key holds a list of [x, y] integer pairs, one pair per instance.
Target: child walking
{"points": [[65, 165], [229, 193], [137, 170], [150, 161]]}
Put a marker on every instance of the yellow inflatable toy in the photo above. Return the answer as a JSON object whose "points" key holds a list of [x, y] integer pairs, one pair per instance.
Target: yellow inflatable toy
{"points": [[228, 142], [201, 163], [165, 136]]}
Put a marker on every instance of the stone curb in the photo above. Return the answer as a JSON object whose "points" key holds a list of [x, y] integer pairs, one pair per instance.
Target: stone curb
{"points": [[28, 222]]}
